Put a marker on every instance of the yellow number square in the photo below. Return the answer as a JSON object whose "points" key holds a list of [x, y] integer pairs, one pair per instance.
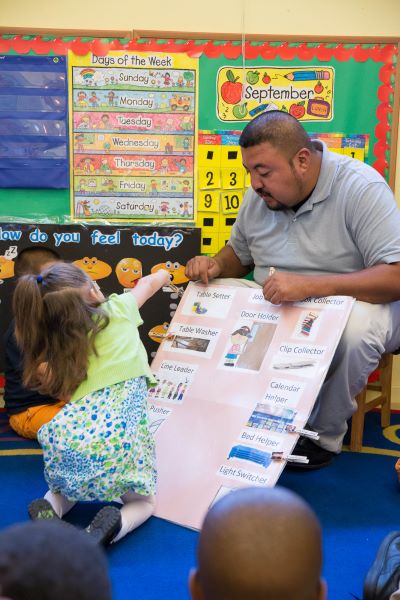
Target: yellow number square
{"points": [[208, 221], [231, 202], [209, 242], [223, 239], [231, 157], [209, 178], [232, 178], [209, 156], [358, 153], [208, 201], [226, 223]]}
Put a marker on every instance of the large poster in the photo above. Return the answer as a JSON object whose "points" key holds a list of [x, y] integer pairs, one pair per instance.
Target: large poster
{"points": [[115, 257], [237, 377], [133, 122]]}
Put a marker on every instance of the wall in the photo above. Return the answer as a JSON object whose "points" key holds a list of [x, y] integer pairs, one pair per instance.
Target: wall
{"points": [[358, 17], [286, 17]]}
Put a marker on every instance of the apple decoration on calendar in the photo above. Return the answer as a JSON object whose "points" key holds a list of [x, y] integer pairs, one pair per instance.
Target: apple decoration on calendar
{"points": [[297, 110], [231, 90], [318, 88], [266, 79]]}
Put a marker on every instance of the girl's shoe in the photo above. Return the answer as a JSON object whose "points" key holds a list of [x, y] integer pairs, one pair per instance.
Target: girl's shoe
{"points": [[105, 525], [41, 509]]}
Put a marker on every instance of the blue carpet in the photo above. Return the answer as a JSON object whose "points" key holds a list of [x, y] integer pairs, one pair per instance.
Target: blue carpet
{"points": [[357, 500]]}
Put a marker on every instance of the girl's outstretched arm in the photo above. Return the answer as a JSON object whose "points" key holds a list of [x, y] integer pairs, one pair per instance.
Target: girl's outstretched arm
{"points": [[149, 285]]}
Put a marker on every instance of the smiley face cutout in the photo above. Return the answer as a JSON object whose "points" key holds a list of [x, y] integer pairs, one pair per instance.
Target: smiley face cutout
{"points": [[94, 267], [128, 272], [175, 269]]}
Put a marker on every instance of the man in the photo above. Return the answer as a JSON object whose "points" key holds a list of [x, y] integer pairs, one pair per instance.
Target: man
{"points": [[259, 543], [329, 225], [45, 560]]}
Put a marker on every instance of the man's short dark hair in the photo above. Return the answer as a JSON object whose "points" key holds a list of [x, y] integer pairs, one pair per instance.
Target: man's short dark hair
{"points": [[48, 560], [279, 129]]}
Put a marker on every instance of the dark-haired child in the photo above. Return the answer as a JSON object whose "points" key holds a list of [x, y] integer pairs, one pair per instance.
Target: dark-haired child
{"points": [[27, 409]]}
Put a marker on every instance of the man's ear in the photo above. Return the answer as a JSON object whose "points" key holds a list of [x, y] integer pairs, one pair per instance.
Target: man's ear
{"points": [[194, 585], [302, 159]]}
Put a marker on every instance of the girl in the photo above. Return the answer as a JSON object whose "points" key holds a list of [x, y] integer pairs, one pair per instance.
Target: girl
{"points": [[85, 349]]}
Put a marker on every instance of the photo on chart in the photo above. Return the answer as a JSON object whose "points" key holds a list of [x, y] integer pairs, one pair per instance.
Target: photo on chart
{"points": [[302, 360], [173, 382], [208, 301], [254, 455], [189, 339], [271, 418], [247, 346], [307, 325]]}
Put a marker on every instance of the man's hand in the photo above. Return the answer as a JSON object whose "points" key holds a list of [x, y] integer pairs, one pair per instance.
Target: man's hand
{"points": [[203, 268], [286, 287]]}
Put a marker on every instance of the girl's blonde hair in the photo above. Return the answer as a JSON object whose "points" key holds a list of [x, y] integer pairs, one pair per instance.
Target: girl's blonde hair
{"points": [[56, 324]]}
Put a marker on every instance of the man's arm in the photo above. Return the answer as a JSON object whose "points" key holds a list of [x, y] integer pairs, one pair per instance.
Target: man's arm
{"points": [[224, 264], [378, 284]]}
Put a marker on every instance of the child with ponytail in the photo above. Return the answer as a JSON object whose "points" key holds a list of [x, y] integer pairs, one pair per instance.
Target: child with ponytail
{"points": [[86, 350]]}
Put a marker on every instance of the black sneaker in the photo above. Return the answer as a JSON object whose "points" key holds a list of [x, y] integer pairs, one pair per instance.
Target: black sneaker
{"points": [[318, 457], [105, 525], [383, 578], [41, 509]]}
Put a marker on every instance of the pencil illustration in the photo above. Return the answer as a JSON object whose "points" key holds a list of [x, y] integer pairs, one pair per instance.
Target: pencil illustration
{"points": [[307, 75]]}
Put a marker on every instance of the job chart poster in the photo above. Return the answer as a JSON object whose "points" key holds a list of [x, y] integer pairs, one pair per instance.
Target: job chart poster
{"points": [[236, 378]]}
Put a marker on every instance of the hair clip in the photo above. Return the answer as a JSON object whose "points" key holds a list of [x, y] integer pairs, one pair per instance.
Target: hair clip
{"points": [[39, 279]]}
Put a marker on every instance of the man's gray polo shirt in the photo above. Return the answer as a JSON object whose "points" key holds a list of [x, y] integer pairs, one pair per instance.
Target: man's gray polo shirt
{"points": [[350, 222]]}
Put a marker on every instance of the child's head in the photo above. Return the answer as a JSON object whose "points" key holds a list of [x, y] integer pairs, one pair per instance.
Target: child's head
{"points": [[42, 560], [57, 316], [32, 260], [259, 543]]}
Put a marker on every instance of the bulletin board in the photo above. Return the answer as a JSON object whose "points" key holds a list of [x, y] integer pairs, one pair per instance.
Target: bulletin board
{"points": [[116, 257], [342, 91]]}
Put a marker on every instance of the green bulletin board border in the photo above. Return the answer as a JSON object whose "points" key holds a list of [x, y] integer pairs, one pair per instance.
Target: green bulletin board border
{"points": [[53, 205]]}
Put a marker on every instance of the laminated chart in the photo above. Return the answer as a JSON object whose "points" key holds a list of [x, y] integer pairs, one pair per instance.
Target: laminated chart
{"points": [[133, 126], [237, 377]]}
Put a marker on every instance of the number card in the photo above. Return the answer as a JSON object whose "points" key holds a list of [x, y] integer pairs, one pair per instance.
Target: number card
{"points": [[231, 202], [232, 178], [209, 201], [209, 178]]}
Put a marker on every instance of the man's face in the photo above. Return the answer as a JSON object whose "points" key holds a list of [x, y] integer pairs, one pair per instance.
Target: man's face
{"points": [[278, 181]]}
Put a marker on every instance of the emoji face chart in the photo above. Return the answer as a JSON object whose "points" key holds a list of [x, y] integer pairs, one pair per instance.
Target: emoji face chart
{"points": [[114, 256], [236, 378]]}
